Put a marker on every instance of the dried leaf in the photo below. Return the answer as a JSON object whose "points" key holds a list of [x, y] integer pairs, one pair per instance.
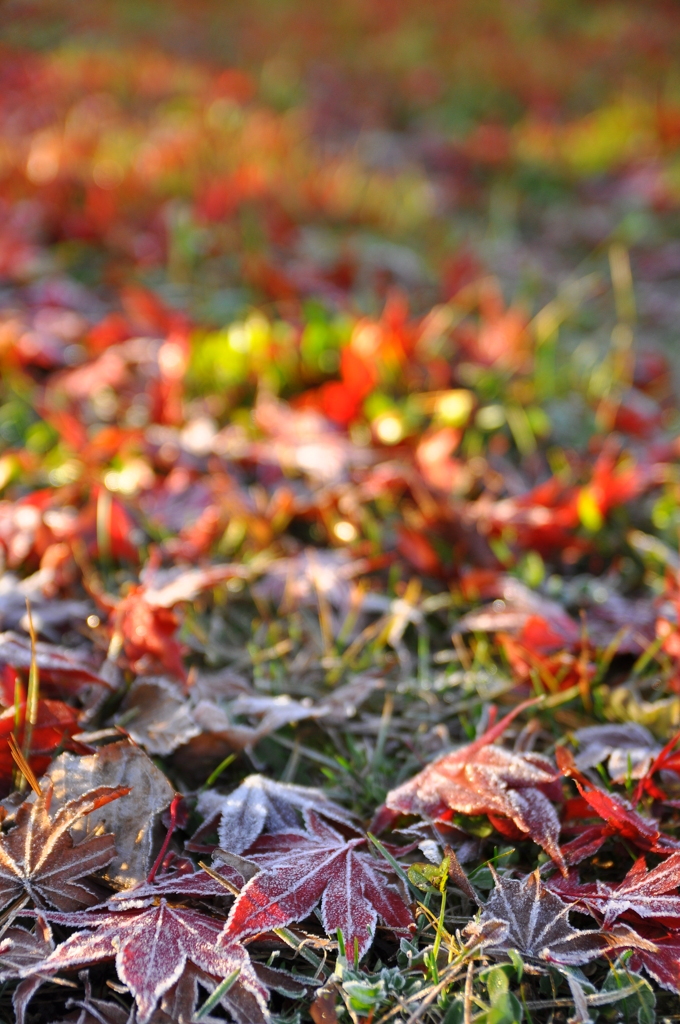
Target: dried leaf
{"points": [[39, 858], [162, 719], [135, 822], [484, 779], [628, 749], [538, 923]]}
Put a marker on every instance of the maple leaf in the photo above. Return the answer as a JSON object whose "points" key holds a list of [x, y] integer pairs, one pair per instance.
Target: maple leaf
{"points": [[196, 885], [70, 669], [20, 950], [148, 634], [39, 858], [668, 759], [662, 963], [483, 779], [152, 947], [300, 869], [619, 816], [263, 805], [647, 893], [537, 923]]}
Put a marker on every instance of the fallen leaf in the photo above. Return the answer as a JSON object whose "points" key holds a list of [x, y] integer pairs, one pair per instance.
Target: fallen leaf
{"points": [[300, 869], [151, 948], [619, 816], [21, 949], [663, 963], [650, 894], [196, 885], [56, 723], [537, 923], [157, 715], [628, 749], [262, 805], [39, 858], [69, 669], [135, 822], [484, 779]]}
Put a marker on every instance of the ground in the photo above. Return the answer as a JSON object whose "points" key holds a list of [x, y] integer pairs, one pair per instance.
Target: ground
{"points": [[338, 420]]}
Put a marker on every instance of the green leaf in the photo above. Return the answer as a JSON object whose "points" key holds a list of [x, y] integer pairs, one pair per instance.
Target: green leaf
{"points": [[639, 1005], [364, 996]]}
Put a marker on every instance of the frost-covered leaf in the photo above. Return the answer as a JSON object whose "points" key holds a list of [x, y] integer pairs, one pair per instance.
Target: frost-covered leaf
{"points": [[648, 893], [538, 923], [161, 717], [263, 805], [135, 822], [662, 963], [152, 947], [300, 869], [267, 714], [618, 814], [628, 749], [197, 885], [21, 949], [40, 859], [482, 778], [72, 669]]}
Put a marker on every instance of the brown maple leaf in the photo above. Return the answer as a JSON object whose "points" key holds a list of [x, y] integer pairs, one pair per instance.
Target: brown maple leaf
{"points": [[484, 779], [263, 805], [537, 924], [39, 859]]}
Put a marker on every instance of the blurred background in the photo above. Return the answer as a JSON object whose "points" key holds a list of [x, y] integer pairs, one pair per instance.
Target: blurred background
{"points": [[275, 170], [233, 152]]}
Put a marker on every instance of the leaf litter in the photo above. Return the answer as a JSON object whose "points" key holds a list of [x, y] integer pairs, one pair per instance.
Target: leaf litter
{"points": [[346, 543]]}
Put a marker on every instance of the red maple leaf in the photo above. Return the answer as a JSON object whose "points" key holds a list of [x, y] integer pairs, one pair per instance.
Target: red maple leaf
{"points": [[152, 947], [148, 634], [667, 760], [619, 816], [662, 963], [512, 789], [649, 894], [67, 669], [300, 869]]}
